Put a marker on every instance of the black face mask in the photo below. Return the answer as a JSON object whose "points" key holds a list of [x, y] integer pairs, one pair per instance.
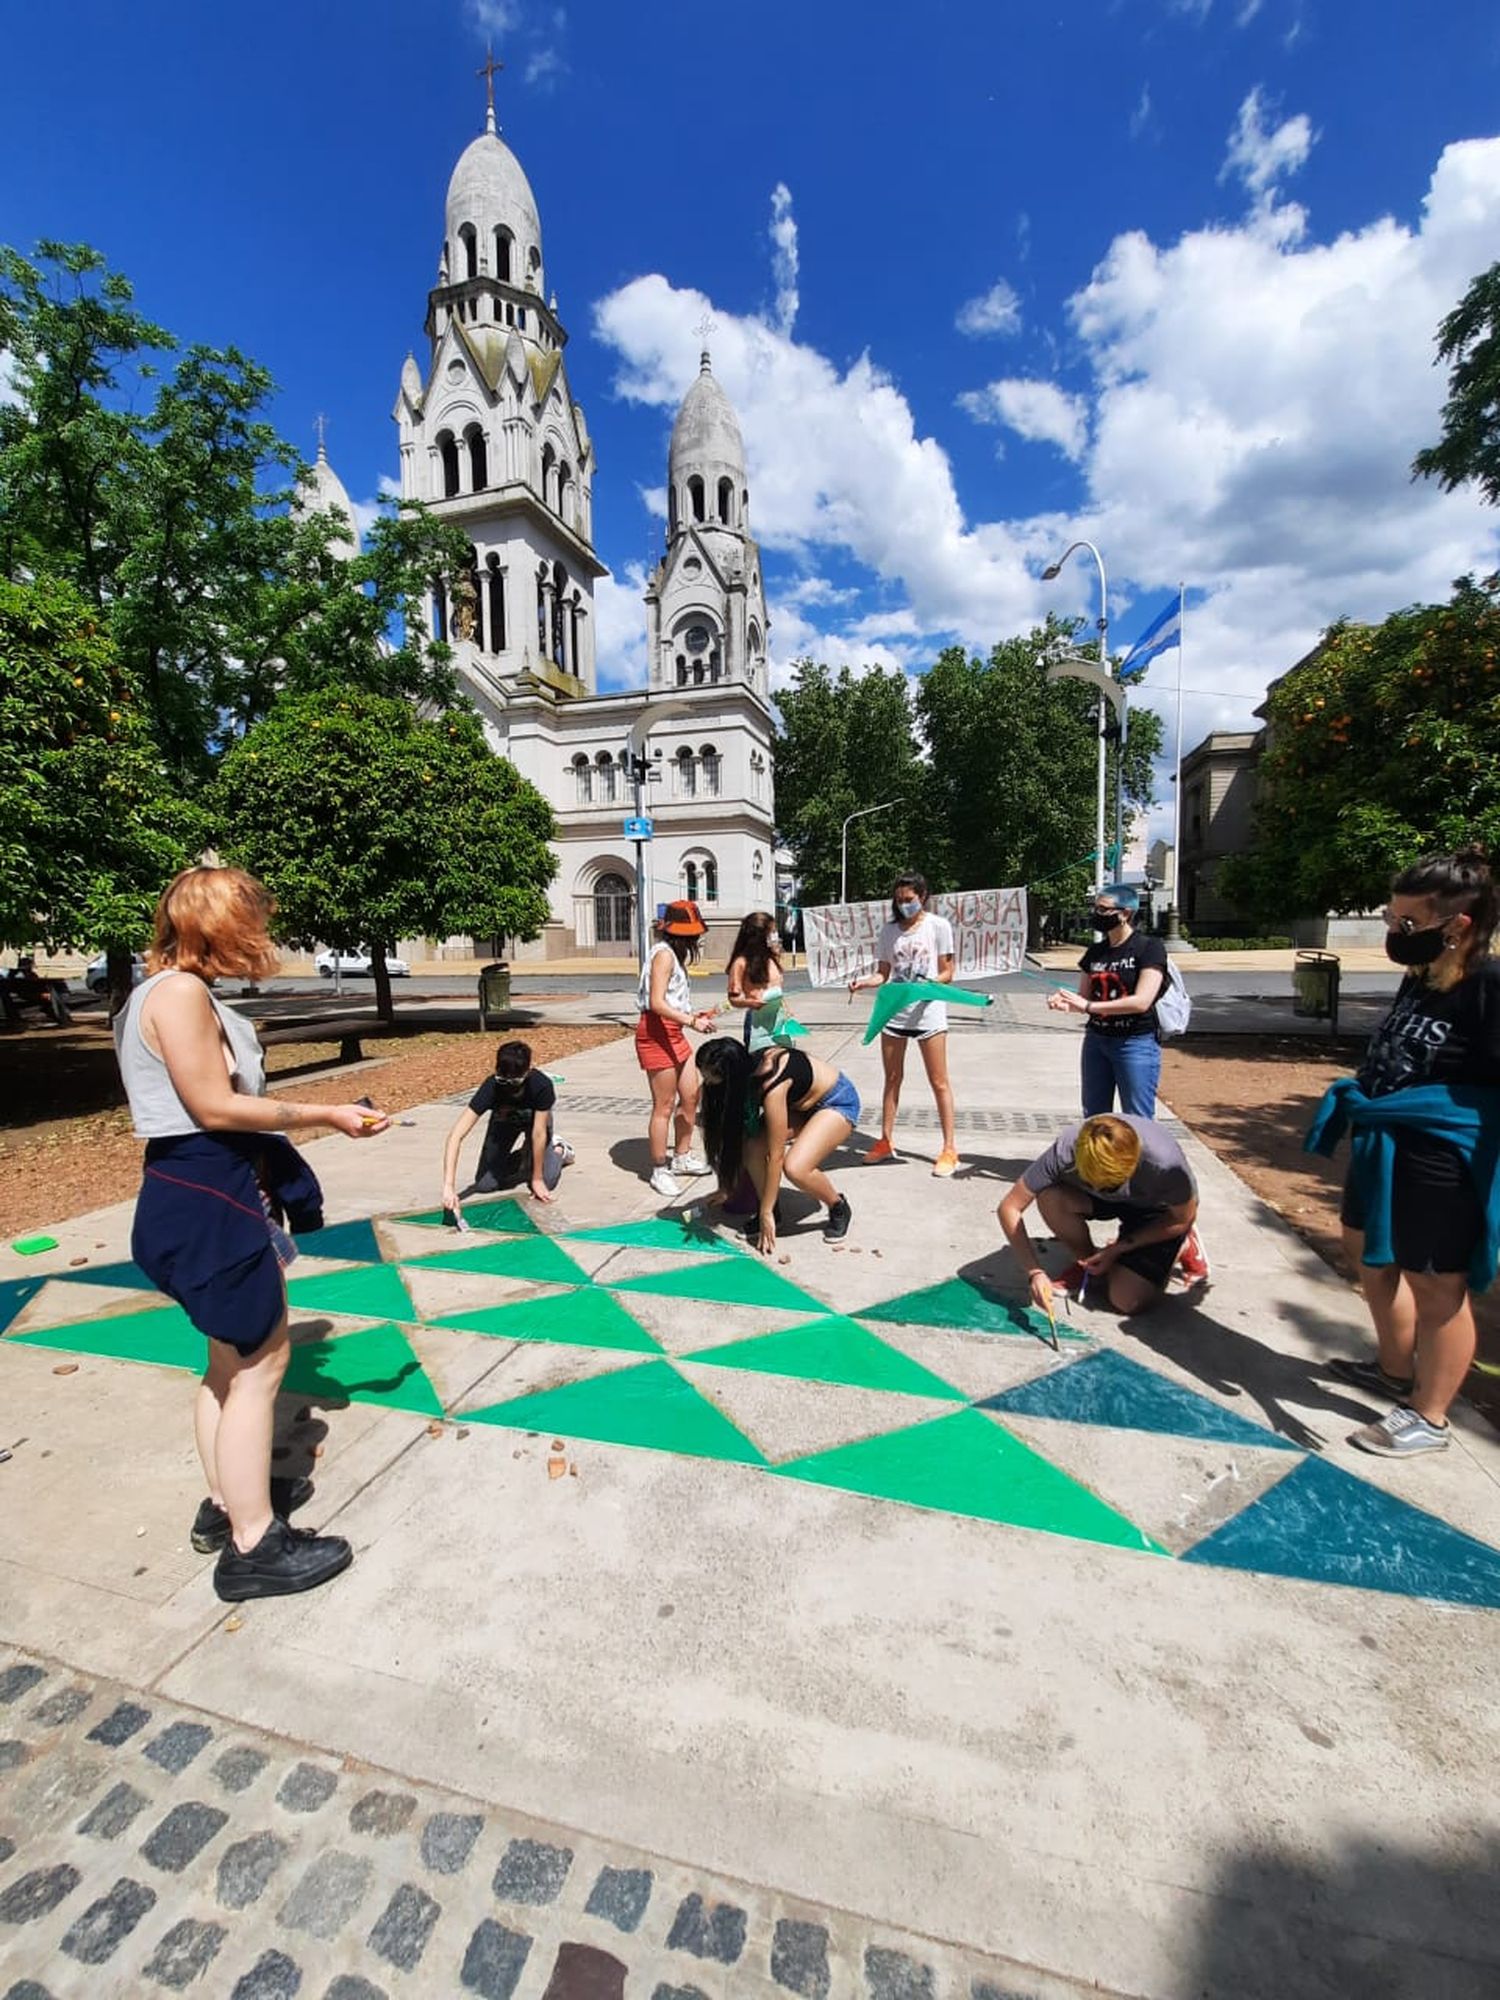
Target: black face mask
{"points": [[1104, 921], [1416, 947]]}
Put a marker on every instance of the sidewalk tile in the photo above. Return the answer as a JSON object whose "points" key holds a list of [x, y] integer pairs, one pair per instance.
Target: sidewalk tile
{"points": [[651, 1406]]}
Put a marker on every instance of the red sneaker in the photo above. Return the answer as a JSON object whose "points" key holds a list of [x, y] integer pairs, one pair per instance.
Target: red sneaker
{"points": [[881, 1150], [1192, 1260], [1072, 1281]]}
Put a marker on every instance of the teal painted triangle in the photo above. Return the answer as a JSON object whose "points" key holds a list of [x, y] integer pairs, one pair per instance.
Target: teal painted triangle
{"points": [[503, 1218], [373, 1291], [1111, 1389], [660, 1233], [831, 1349], [374, 1365], [651, 1406], [166, 1337], [1322, 1525], [126, 1275], [15, 1295], [966, 1464], [968, 1307], [724, 1281], [345, 1242], [587, 1317], [537, 1258]]}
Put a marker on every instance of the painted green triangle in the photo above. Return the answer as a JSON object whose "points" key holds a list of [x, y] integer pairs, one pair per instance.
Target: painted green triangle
{"points": [[504, 1218], [165, 1336], [537, 1258], [374, 1365], [725, 1281], [587, 1317], [965, 1464], [659, 1232], [128, 1276], [374, 1291], [15, 1295], [831, 1349], [968, 1307], [650, 1405], [345, 1242]]}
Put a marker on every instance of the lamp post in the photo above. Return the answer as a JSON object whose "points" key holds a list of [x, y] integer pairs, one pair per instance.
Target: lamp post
{"points": [[641, 773], [863, 813], [1050, 575]]}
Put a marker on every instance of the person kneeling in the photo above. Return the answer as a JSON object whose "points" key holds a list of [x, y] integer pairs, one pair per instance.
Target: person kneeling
{"points": [[1108, 1169], [519, 1145], [753, 1106]]}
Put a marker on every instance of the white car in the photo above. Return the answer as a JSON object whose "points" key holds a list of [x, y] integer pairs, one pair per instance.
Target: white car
{"points": [[358, 964], [96, 972]]}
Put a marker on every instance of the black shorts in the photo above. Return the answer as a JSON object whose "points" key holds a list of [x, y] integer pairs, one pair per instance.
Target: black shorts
{"points": [[1153, 1261], [1437, 1217]]}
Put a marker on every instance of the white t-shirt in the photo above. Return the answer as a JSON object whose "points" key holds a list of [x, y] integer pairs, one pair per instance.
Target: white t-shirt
{"points": [[678, 996], [914, 954]]}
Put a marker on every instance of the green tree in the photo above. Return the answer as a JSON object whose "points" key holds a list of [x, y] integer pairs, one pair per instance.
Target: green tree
{"points": [[1469, 341], [1014, 764], [368, 823], [846, 741], [1382, 745], [91, 826]]}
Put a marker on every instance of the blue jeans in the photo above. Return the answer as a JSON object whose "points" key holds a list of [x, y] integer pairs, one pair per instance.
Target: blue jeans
{"points": [[1129, 1064]]}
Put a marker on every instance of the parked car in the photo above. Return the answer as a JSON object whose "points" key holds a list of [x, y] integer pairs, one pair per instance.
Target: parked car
{"points": [[96, 972], [358, 964]]}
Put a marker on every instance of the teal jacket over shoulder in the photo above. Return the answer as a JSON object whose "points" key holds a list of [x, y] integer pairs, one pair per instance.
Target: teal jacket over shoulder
{"points": [[1465, 1116]]}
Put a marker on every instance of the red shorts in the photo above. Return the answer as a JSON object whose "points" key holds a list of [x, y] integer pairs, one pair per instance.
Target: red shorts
{"points": [[660, 1044]]}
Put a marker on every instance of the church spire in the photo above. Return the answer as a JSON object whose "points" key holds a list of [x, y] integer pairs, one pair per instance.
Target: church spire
{"points": [[489, 69]]}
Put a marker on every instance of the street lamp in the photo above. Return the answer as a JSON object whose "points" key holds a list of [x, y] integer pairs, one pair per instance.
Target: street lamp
{"points": [[1050, 575], [641, 773], [863, 813]]}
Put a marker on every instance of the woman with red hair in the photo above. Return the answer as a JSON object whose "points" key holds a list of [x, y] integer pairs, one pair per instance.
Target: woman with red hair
{"points": [[219, 1179]]}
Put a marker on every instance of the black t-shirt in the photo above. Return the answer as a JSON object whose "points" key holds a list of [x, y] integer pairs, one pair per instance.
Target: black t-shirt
{"points": [[511, 1111], [1434, 1037], [1114, 970]]}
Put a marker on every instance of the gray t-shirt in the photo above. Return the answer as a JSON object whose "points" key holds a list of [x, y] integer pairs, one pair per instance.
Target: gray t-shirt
{"points": [[1162, 1179]]}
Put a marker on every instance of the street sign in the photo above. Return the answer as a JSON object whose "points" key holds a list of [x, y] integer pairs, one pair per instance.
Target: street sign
{"points": [[639, 829]]}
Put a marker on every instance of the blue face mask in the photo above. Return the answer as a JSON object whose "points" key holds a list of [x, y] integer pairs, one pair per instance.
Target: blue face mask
{"points": [[908, 909]]}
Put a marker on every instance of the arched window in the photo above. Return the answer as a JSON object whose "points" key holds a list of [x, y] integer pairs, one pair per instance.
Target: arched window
{"points": [[439, 611], [671, 510], [690, 880], [726, 502], [496, 585], [583, 777], [564, 487], [682, 671], [502, 254], [606, 776], [710, 880], [510, 315], [687, 773], [612, 910], [559, 616], [476, 600], [695, 497], [521, 318], [709, 764], [469, 244], [479, 468], [447, 446], [549, 476]]}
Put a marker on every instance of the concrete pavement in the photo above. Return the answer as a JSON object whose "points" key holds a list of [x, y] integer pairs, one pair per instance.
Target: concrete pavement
{"points": [[1138, 1679]]}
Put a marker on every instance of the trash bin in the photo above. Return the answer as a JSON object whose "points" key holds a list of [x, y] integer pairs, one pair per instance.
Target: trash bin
{"points": [[494, 993], [1315, 987]]}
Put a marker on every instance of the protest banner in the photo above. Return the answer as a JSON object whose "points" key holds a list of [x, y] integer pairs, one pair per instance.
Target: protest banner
{"points": [[989, 935]]}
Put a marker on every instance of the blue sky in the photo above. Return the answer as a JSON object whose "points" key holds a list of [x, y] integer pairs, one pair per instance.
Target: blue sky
{"points": [[1162, 272]]}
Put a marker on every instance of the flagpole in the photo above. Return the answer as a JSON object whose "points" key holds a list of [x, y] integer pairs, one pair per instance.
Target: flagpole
{"points": [[1174, 909]]}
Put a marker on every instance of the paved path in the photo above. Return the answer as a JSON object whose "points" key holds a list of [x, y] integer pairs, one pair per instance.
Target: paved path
{"points": [[819, 1590]]}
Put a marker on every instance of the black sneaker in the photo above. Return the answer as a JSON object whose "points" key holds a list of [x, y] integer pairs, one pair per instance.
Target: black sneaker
{"points": [[282, 1562], [211, 1523], [836, 1228], [1371, 1377]]}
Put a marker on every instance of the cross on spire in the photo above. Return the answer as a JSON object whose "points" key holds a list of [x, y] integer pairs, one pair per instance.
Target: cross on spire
{"points": [[489, 69], [322, 423], [706, 327]]}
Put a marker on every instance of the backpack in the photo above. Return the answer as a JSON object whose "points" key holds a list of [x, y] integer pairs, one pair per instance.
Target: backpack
{"points": [[1174, 1006]]}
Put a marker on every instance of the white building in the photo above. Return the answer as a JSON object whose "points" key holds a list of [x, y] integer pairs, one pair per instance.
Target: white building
{"points": [[492, 439]]}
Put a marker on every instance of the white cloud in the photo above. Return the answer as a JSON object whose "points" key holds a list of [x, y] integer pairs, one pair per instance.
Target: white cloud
{"points": [[9, 367], [1247, 13], [996, 311], [1258, 156], [367, 512], [1040, 412], [784, 257], [620, 629], [1140, 118], [495, 17], [530, 37]]}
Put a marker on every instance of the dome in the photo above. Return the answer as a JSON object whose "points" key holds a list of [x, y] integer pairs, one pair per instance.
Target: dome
{"points": [[321, 490], [707, 432], [489, 190]]}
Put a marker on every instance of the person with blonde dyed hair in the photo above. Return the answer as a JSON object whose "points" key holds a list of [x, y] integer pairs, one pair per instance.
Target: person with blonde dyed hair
{"points": [[219, 1181], [1130, 1171]]}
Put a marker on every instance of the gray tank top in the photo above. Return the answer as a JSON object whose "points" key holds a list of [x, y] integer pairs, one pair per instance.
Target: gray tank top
{"points": [[158, 1112]]}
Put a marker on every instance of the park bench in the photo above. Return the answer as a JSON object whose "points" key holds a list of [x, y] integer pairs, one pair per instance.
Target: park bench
{"points": [[314, 1028]]}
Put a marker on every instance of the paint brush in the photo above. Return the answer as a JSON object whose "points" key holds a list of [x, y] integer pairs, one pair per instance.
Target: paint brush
{"points": [[1052, 1321]]}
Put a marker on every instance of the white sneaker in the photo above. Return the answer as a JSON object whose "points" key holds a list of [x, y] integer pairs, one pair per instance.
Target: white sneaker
{"points": [[691, 1164], [662, 1183]]}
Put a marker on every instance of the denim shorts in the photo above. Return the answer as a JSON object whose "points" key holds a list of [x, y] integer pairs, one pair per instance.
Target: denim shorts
{"points": [[843, 1098]]}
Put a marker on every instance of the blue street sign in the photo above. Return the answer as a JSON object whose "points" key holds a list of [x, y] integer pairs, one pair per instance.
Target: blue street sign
{"points": [[639, 829]]}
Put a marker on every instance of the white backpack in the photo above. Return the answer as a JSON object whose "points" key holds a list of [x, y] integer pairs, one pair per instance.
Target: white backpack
{"points": [[1174, 1006]]}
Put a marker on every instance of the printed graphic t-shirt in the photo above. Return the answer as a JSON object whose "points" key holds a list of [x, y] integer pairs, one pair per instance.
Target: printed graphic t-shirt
{"points": [[1162, 1179], [510, 1113], [1114, 970], [915, 954], [1433, 1037]]}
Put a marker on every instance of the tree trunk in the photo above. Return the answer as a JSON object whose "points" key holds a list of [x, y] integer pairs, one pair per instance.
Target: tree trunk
{"points": [[384, 1005], [120, 972]]}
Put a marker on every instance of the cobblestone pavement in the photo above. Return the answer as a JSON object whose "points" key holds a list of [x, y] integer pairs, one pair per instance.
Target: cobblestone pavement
{"points": [[147, 1849]]}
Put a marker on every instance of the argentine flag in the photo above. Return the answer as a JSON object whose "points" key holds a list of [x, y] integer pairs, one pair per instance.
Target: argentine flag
{"points": [[1159, 637]]}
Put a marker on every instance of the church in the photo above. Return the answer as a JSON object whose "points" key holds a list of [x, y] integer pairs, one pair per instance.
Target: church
{"points": [[492, 439]]}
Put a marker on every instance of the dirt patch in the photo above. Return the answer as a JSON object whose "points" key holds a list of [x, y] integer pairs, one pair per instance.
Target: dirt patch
{"points": [[1252, 1098], [66, 1145]]}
